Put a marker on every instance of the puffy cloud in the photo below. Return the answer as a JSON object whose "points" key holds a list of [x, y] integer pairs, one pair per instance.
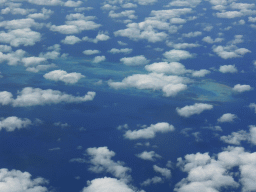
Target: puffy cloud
{"points": [[5, 48], [184, 3], [197, 108], [253, 106], [90, 52], [32, 61], [170, 85], [60, 75], [167, 68], [236, 137], [125, 50], [46, 2], [241, 88], [153, 180], [136, 60], [129, 5], [146, 2], [12, 123], [16, 180], [227, 117], [178, 21], [185, 45], [252, 19], [35, 96], [100, 37], [229, 14], [176, 55], [101, 161], [12, 58], [228, 69], [149, 156], [200, 73], [230, 51], [98, 59], [45, 14], [107, 184], [192, 34], [71, 40], [149, 132], [73, 3], [19, 24], [208, 39], [163, 171], [19, 37], [127, 13]]}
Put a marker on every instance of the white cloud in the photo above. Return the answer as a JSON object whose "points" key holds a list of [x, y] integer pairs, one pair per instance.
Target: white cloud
{"points": [[228, 69], [177, 55], [230, 51], [170, 85], [32, 61], [163, 171], [178, 21], [16, 180], [45, 14], [148, 156], [153, 180], [146, 2], [208, 39], [100, 37], [241, 88], [185, 45], [227, 117], [167, 68], [5, 48], [197, 108], [70, 3], [12, 58], [129, 5], [127, 13], [98, 59], [149, 132], [60, 75], [46, 2], [101, 161], [125, 50], [134, 61], [71, 40], [90, 52], [184, 3], [200, 73], [12, 123], [35, 96], [253, 106], [252, 19], [20, 24], [229, 14], [236, 137], [19, 37], [107, 184], [192, 34]]}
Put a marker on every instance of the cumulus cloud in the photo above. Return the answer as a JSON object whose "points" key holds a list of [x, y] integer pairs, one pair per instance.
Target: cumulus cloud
{"points": [[163, 171], [100, 37], [236, 137], [16, 180], [19, 37], [12, 58], [149, 132], [192, 34], [32, 61], [227, 117], [101, 161], [146, 2], [45, 14], [228, 69], [99, 59], [167, 68], [107, 184], [208, 39], [61, 75], [125, 50], [90, 52], [170, 85], [12, 123], [35, 96], [70, 3], [241, 88], [253, 106], [46, 2], [136, 60], [127, 13], [38, 68], [149, 156], [230, 51], [200, 73], [177, 55], [71, 40], [153, 180], [229, 14], [197, 108]]}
